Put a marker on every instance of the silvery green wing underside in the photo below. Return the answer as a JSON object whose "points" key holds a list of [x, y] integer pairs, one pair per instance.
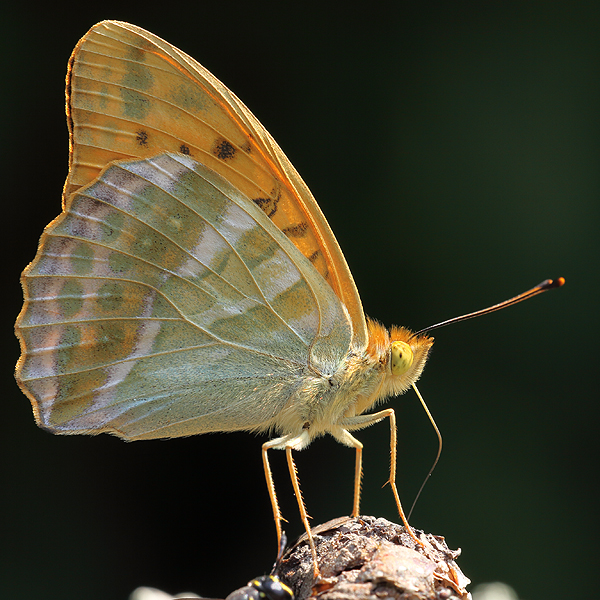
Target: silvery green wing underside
{"points": [[164, 303]]}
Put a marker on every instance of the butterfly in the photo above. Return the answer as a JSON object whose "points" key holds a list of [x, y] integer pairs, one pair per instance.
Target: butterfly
{"points": [[191, 283]]}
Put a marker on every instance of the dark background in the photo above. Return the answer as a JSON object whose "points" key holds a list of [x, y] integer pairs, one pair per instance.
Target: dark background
{"points": [[455, 150]]}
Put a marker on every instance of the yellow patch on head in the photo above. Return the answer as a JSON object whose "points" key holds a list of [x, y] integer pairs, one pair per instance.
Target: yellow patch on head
{"points": [[402, 357]]}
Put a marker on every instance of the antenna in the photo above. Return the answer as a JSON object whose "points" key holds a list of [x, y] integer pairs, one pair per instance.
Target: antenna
{"points": [[546, 285]]}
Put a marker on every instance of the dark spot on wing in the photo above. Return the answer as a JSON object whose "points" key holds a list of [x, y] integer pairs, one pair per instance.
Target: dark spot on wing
{"points": [[223, 149], [267, 205], [142, 138], [313, 257], [295, 230], [322, 268], [246, 147], [184, 149]]}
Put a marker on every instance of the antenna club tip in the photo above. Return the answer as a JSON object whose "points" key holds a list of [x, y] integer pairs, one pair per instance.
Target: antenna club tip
{"points": [[554, 283]]}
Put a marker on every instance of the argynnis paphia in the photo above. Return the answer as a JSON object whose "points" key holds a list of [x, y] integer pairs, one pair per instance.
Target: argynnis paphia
{"points": [[192, 283]]}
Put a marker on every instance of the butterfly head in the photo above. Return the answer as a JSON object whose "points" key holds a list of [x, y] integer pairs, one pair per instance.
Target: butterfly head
{"points": [[401, 358]]}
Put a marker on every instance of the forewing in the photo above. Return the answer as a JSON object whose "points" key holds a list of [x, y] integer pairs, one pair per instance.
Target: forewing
{"points": [[163, 302], [131, 94]]}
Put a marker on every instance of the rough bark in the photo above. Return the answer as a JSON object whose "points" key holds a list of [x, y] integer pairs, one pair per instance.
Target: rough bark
{"points": [[367, 558], [361, 558]]}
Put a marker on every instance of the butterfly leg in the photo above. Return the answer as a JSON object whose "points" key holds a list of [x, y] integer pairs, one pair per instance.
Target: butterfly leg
{"points": [[289, 443], [346, 438], [358, 422], [357, 480], [271, 487], [303, 514]]}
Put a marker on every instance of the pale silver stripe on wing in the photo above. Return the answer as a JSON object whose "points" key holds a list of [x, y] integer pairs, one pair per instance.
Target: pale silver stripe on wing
{"points": [[165, 303]]}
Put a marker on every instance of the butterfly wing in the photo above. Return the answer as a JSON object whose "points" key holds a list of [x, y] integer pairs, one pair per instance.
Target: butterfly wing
{"points": [[131, 94], [163, 302]]}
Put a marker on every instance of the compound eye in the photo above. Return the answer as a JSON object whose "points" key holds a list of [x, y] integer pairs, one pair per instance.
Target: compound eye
{"points": [[402, 358]]}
